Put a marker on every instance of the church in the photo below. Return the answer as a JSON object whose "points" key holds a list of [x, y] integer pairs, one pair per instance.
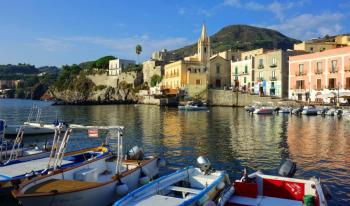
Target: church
{"points": [[193, 73]]}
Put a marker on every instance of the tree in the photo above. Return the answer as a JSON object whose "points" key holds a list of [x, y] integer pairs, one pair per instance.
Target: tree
{"points": [[155, 79], [138, 51], [103, 62]]}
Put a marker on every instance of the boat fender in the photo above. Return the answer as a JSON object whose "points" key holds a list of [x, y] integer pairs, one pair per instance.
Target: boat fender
{"points": [[288, 168], [220, 186], [144, 180], [161, 162], [121, 189]]}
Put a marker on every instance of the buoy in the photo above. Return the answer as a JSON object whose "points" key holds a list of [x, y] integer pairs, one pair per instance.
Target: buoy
{"points": [[161, 162], [121, 189], [144, 180], [220, 186]]}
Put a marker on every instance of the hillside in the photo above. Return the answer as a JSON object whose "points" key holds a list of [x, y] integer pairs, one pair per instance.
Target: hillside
{"points": [[242, 38]]}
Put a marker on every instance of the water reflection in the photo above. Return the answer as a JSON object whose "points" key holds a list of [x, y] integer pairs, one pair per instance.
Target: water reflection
{"points": [[230, 137]]}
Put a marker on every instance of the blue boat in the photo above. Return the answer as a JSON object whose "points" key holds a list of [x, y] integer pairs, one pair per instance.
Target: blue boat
{"points": [[188, 186]]}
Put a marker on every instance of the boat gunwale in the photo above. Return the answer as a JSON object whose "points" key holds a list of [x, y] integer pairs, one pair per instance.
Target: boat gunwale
{"points": [[20, 194]]}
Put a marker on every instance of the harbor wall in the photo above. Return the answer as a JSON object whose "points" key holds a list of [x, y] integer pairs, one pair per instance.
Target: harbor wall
{"points": [[236, 99]]}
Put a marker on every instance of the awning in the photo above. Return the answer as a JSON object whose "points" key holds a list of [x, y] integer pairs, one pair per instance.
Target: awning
{"points": [[330, 95]]}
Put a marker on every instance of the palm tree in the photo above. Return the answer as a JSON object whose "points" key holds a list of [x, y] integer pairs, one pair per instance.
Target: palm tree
{"points": [[138, 51]]}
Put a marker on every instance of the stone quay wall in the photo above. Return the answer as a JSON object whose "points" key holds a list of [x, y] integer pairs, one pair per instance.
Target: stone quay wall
{"points": [[236, 99]]}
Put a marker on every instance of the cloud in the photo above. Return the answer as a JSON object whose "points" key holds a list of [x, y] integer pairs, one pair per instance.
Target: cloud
{"points": [[307, 26], [122, 47], [52, 45], [181, 11], [234, 3]]}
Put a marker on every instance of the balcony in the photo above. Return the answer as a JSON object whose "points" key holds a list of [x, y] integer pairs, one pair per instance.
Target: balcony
{"points": [[273, 65], [300, 90], [260, 66], [273, 78], [244, 73], [300, 74], [318, 72], [260, 79], [347, 68], [333, 70]]}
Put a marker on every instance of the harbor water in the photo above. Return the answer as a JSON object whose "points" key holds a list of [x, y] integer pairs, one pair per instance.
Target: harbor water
{"points": [[230, 137]]}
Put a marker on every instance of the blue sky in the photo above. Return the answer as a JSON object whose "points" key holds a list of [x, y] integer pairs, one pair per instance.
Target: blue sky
{"points": [[48, 32]]}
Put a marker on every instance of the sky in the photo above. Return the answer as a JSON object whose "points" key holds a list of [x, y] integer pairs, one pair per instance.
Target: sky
{"points": [[48, 32]]}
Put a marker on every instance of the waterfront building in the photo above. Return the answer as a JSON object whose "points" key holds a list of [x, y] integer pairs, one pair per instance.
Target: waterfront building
{"points": [[190, 73], [321, 76], [219, 71], [152, 67], [318, 45], [271, 72], [242, 73], [117, 66]]}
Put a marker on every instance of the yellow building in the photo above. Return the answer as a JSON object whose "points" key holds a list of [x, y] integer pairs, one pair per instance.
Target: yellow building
{"points": [[190, 74], [318, 45]]}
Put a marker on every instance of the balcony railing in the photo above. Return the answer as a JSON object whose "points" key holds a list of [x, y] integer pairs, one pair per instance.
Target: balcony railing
{"points": [[300, 74], [300, 90], [260, 66], [260, 79], [273, 78], [347, 68], [333, 70], [244, 73], [273, 65], [318, 72]]}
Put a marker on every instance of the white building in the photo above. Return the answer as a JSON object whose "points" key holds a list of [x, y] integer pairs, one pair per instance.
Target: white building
{"points": [[241, 74], [116, 66]]}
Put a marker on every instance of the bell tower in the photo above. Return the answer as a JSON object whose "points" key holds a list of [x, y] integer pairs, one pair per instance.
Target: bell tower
{"points": [[204, 50]]}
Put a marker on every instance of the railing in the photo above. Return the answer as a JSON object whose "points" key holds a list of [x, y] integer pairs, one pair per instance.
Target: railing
{"points": [[347, 68], [260, 79], [260, 66], [300, 74], [333, 70], [273, 78], [273, 65], [300, 90], [318, 72], [244, 73]]}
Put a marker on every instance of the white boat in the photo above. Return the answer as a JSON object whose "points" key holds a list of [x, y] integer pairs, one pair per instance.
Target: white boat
{"points": [[331, 112], [188, 186], [309, 110], [97, 182], [261, 189], [193, 106], [285, 110], [264, 110]]}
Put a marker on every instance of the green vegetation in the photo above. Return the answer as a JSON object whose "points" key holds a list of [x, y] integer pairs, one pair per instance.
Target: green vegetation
{"points": [[133, 68], [241, 38], [155, 79], [138, 50], [103, 63]]}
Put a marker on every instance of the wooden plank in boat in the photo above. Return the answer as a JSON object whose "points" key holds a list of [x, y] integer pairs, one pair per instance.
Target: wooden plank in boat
{"points": [[184, 189], [59, 185]]}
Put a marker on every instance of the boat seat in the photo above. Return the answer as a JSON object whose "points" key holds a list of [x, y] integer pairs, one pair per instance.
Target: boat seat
{"points": [[262, 201], [184, 189]]}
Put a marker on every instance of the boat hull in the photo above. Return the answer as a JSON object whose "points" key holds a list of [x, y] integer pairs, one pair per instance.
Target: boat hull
{"points": [[103, 194], [12, 130]]}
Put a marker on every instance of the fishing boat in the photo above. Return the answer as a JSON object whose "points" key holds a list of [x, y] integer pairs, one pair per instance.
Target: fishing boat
{"points": [[331, 112], [297, 111], [260, 189], [322, 111], [193, 106], [309, 110], [97, 182], [18, 169], [285, 110], [249, 108], [188, 186], [264, 110]]}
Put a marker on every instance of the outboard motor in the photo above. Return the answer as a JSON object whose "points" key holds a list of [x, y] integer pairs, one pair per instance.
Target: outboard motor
{"points": [[288, 168], [135, 153], [204, 164]]}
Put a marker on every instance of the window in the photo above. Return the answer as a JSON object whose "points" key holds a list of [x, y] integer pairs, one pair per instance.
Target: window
{"points": [[331, 83], [218, 68], [347, 84], [301, 69], [260, 74], [245, 79], [273, 74], [236, 70], [205, 49], [319, 84], [311, 49], [246, 69], [334, 66], [261, 62], [319, 68], [198, 81], [300, 84], [245, 58], [274, 62]]}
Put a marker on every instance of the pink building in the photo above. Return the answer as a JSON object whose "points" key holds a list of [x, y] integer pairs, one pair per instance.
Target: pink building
{"points": [[322, 76]]}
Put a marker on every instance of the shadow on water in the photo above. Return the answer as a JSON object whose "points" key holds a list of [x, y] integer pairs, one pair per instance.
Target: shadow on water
{"points": [[230, 137]]}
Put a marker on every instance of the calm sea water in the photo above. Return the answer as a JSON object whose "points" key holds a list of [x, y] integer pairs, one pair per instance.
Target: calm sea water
{"points": [[231, 138]]}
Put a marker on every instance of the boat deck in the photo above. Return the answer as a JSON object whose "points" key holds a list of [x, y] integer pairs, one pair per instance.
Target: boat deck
{"points": [[261, 201], [59, 185], [10, 171], [158, 200]]}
